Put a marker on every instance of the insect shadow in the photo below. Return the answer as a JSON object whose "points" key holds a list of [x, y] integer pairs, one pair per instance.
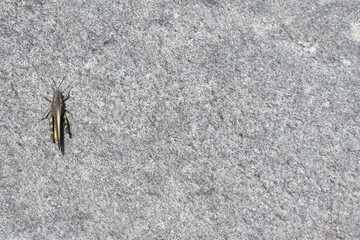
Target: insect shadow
{"points": [[58, 120]]}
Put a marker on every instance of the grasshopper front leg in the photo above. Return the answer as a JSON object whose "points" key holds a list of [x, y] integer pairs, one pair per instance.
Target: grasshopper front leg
{"points": [[68, 95], [47, 99]]}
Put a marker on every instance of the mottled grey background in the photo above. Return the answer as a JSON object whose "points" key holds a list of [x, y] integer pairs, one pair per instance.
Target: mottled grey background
{"points": [[191, 119]]}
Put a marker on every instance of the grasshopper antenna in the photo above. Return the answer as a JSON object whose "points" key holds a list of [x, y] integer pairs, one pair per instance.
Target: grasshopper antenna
{"points": [[61, 82], [54, 84], [68, 87]]}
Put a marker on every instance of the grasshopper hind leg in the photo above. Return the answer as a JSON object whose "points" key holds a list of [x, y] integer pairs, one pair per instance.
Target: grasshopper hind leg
{"points": [[51, 127], [67, 126]]}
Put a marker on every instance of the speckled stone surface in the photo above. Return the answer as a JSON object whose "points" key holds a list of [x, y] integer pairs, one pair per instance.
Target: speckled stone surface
{"points": [[191, 119]]}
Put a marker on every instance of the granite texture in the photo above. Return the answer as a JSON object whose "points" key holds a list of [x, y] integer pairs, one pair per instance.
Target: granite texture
{"points": [[191, 119]]}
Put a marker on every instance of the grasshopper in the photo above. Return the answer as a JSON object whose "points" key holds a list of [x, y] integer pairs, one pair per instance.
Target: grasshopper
{"points": [[57, 116]]}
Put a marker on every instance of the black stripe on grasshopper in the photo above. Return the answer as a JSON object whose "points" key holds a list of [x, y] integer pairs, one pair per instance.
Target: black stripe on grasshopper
{"points": [[57, 116]]}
